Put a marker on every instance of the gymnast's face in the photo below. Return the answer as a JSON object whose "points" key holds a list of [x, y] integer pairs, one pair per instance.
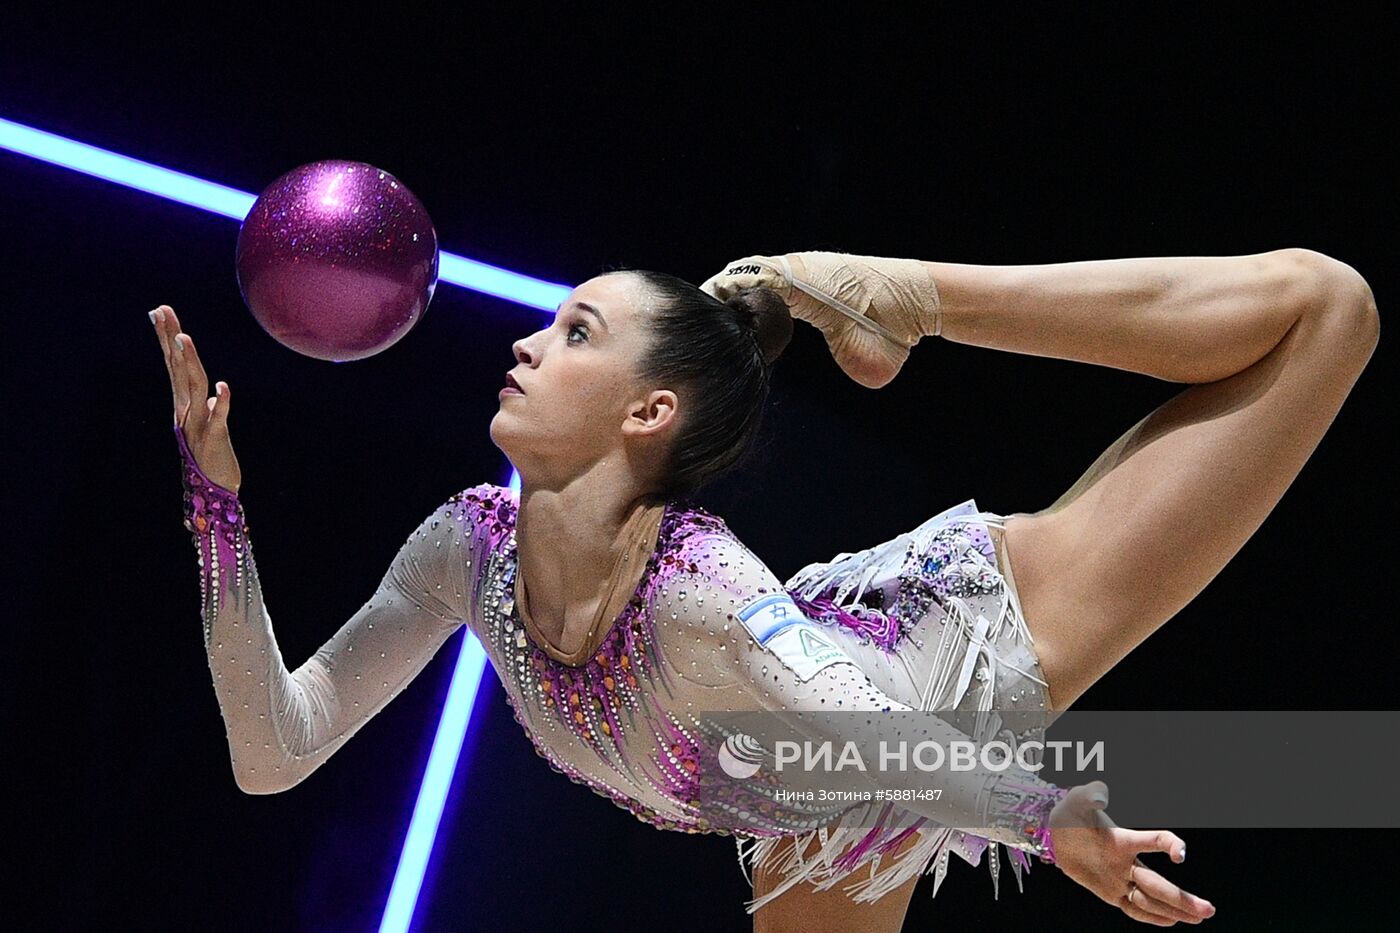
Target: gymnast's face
{"points": [[583, 402]]}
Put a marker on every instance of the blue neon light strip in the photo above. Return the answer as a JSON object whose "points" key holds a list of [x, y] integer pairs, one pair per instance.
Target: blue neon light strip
{"points": [[458, 270], [230, 202], [437, 780]]}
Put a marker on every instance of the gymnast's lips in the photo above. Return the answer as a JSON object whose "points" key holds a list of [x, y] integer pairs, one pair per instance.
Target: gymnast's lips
{"points": [[511, 383]]}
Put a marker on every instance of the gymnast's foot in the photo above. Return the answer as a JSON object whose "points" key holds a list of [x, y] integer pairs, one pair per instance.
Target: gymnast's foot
{"points": [[871, 310]]}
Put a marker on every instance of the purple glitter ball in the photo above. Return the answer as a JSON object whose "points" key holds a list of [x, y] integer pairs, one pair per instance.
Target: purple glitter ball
{"points": [[337, 260]]}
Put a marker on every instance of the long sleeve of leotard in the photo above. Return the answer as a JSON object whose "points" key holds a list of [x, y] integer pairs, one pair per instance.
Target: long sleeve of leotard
{"points": [[745, 624], [282, 724]]}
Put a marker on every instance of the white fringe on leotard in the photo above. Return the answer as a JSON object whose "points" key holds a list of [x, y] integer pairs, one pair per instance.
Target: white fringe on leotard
{"points": [[848, 577]]}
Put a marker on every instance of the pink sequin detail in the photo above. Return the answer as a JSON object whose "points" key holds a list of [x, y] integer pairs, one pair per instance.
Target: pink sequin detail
{"points": [[209, 506]]}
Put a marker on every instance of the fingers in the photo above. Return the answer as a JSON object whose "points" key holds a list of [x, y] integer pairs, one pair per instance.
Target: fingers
{"points": [[1156, 840], [1138, 912], [1165, 898], [1091, 796], [171, 319], [1084, 806], [180, 378], [168, 330], [187, 377], [197, 380], [161, 321], [158, 319], [218, 408]]}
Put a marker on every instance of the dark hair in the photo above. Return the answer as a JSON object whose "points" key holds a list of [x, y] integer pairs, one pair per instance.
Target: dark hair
{"points": [[722, 352]]}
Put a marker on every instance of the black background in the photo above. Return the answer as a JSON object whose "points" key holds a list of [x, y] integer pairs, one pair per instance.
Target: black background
{"points": [[558, 142]]}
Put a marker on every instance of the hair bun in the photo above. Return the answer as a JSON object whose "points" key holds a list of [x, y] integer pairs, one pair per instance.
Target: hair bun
{"points": [[764, 310]]}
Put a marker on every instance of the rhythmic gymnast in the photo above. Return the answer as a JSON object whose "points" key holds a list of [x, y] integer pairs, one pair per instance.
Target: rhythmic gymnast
{"points": [[643, 389]]}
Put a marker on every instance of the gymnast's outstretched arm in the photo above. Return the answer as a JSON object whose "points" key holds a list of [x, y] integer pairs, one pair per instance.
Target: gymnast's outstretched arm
{"points": [[283, 724]]}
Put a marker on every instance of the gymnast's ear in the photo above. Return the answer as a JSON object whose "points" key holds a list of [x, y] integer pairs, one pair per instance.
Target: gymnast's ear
{"points": [[656, 413]]}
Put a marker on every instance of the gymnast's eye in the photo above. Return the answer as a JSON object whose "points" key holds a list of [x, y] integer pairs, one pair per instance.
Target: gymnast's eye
{"points": [[578, 327]]}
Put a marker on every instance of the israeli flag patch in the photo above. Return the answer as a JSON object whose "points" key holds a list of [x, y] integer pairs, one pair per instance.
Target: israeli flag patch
{"points": [[776, 623]]}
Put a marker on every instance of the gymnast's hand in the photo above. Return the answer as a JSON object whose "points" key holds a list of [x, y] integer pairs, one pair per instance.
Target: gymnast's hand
{"points": [[871, 310], [1103, 857], [205, 423]]}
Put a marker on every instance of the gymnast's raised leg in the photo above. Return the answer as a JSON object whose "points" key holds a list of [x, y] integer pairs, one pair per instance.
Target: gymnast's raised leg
{"points": [[1273, 344], [1275, 341]]}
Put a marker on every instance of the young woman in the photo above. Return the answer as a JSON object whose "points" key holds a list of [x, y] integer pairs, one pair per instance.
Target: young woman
{"points": [[643, 612]]}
